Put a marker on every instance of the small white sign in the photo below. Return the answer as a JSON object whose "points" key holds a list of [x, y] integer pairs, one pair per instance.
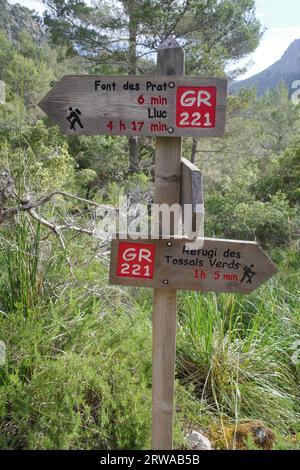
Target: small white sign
{"points": [[2, 92], [2, 352], [296, 94]]}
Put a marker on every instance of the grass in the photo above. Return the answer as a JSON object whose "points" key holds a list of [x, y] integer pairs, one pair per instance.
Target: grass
{"points": [[75, 379], [22, 285], [236, 352], [78, 366]]}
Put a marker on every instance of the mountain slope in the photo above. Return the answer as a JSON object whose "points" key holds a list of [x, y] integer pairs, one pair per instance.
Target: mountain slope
{"points": [[15, 18], [286, 69]]}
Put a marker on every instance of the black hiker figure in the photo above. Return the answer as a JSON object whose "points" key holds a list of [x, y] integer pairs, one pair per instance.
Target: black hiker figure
{"points": [[248, 274], [74, 118]]}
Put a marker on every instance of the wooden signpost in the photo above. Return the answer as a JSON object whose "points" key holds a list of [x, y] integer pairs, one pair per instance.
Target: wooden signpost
{"points": [[170, 61], [191, 195], [218, 266], [191, 186], [138, 105], [167, 106]]}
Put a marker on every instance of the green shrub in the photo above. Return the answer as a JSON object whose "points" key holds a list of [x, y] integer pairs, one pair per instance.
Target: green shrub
{"points": [[283, 175], [81, 381], [21, 279], [236, 352], [269, 222]]}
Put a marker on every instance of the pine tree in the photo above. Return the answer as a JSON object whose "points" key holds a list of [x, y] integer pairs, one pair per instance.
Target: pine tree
{"points": [[121, 36]]}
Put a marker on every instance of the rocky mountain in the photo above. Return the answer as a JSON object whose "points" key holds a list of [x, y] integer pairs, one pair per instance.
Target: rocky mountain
{"points": [[286, 69], [15, 18]]}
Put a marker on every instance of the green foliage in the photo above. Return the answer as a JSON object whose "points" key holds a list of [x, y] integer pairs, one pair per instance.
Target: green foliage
{"points": [[78, 367], [78, 370], [283, 175], [269, 222], [235, 351], [278, 117], [27, 73], [290, 443], [86, 177], [40, 137], [54, 171], [76, 381], [233, 212], [107, 156], [21, 282], [237, 33], [98, 31], [257, 130], [28, 70]]}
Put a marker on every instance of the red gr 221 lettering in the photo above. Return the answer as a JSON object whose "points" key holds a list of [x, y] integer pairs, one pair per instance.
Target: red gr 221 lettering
{"points": [[136, 260], [196, 106]]}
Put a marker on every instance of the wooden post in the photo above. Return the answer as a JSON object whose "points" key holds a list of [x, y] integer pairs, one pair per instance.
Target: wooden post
{"points": [[192, 194], [170, 61]]}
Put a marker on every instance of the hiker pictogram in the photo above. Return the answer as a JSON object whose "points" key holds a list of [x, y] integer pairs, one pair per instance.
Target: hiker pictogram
{"points": [[74, 118], [248, 274]]}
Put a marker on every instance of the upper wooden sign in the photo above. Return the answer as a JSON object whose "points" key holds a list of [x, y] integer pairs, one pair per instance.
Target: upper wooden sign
{"points": [[218, 266], [138, 105]]}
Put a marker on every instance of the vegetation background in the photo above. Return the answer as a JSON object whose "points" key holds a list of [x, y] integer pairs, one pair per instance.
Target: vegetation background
{"points": [[77, 372]]}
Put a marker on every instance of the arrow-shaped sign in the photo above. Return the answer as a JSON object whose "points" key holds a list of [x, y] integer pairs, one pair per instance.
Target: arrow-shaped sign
{"points": [[217, 266], [138, 105]]}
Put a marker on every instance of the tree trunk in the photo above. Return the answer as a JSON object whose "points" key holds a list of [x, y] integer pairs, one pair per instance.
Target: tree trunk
{"points": [[134, 154], [194, 150], [134, 150]]}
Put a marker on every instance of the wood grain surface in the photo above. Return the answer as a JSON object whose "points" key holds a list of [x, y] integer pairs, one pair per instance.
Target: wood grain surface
{"points": [[219, 266], [127, 105], [167, 169]]}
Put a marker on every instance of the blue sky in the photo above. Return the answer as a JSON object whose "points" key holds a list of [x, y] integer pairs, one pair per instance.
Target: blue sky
{"points": [[279, 17], [281, 20]]}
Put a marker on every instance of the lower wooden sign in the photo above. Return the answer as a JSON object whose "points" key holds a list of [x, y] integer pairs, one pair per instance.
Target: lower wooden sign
{"points": [[218, 266]]}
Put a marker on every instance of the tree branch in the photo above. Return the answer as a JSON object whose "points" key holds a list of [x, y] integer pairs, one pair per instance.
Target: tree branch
{"points": [[27, 205]]}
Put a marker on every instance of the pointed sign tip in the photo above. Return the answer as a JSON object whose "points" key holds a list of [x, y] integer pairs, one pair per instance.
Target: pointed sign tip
{"points": [[169, 43], [40, 104]]}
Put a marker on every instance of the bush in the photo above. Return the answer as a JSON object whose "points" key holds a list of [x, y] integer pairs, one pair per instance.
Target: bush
{"points": [[236, 352], [78, 381], [283, 175], [269, 222], [233, 214]]}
